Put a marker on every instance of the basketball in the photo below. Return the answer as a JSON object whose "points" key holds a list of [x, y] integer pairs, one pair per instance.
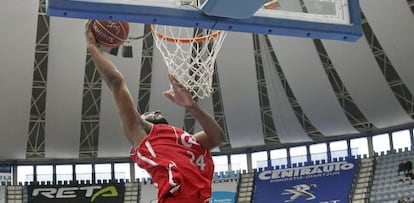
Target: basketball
{"points": [[110, 33]]}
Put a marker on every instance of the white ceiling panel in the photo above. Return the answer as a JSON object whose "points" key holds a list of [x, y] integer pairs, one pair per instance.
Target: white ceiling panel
{"points": [[393, 25], [288, 128], [365, 83], [18, 21], [306, 77], [66, 70], [238, 83]]}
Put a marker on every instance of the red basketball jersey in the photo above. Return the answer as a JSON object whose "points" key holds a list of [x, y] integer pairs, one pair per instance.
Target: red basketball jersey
{"points": [[176, 162]]}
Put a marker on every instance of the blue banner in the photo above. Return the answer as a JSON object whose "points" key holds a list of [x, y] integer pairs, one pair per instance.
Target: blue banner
{"points": [[324, 183], [222, 197]]}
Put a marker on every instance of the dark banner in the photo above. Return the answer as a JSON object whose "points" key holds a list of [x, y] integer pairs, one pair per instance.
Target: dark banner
{"points": [[324, 183], [102, 193], [5, 173]]}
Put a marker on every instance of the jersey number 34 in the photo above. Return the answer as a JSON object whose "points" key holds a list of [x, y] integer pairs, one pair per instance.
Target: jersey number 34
{"points": [[198, 161]]}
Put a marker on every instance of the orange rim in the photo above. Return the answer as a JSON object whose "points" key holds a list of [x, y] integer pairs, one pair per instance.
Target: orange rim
{"points": [[185, 40]]}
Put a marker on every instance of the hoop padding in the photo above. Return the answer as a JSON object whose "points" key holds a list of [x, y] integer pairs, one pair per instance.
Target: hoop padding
{"points": [[190, 55]]}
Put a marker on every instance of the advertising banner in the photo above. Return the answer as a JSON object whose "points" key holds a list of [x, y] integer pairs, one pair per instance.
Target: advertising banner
{"points": [[102, 193], [222, 197], [224, 190], [324, 183], [5, 173]]}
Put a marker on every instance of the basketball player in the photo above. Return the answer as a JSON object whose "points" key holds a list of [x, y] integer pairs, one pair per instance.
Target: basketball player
{"points": [[180, 164]]}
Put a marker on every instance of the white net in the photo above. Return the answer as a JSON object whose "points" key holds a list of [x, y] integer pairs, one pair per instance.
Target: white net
{"points": [[190, 54]]}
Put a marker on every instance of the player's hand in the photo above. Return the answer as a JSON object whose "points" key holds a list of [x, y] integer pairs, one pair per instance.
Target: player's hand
{"points": [[90, 38], [178, 93]]}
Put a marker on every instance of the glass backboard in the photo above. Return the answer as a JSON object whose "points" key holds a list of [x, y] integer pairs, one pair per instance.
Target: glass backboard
{"points": [[322, 19]]}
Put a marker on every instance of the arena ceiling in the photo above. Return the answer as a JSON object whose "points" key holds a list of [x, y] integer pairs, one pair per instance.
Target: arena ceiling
{"points": [[270, 91]]}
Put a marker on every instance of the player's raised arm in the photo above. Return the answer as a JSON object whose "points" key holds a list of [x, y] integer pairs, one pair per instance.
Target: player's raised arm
{"points": [[132, 123], [212, 134]]}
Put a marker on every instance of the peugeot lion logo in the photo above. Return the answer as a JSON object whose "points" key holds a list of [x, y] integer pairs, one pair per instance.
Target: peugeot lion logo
{"points": [[298, 191]]}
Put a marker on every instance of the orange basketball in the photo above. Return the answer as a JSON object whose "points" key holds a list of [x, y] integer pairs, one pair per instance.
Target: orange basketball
{"points": [[110, 33]]}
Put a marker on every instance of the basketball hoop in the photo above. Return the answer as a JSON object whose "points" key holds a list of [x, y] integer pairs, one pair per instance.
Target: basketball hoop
{"points": [[189, 54]]}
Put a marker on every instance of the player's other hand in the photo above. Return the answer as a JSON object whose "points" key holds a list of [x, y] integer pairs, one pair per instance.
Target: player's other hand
{"points": [[178, 93]]}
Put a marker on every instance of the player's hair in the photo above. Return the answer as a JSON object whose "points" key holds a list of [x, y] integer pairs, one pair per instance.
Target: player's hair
{"points": [[151, 119]]}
